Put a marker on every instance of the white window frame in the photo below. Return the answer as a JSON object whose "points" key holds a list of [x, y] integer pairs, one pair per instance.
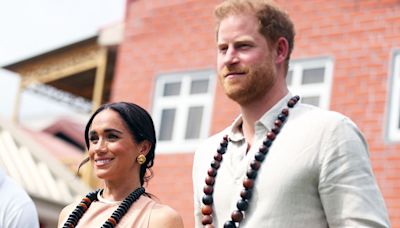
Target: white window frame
{"points": [[323, 90], [394, 99], [181, 103]]}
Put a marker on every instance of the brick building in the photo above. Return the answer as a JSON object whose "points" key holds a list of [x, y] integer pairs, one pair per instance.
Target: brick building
{"points": [[346, 58]]}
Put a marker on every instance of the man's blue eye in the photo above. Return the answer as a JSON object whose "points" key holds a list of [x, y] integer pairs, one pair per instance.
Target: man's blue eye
{"points": [[243, 46]]}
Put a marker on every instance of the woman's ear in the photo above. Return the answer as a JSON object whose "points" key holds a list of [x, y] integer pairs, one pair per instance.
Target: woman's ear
{"points": [[144, 147]]}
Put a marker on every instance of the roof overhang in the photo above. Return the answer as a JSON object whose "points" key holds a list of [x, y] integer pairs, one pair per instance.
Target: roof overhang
{"points": [[84, 69], [50, 184]]}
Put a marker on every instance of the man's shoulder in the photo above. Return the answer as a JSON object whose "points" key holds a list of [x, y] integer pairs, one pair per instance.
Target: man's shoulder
{"points": [[320, 119], [314, 113], [17, 204], [217, 137], [13, 192], [210, 145]]}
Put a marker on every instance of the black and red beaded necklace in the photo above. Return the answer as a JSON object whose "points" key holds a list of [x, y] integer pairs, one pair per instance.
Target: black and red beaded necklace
{"points": [[116, 216], [248, 183]]}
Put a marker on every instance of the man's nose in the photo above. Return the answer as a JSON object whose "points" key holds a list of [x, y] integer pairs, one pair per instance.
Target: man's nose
{"points": [[231, 57]]}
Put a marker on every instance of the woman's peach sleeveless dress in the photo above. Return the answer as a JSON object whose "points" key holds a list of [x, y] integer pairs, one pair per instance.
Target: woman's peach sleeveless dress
{"points": [[138, 215]]}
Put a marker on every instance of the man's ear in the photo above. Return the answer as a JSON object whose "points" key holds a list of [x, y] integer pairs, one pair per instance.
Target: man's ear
{"points": [[281, 50]]}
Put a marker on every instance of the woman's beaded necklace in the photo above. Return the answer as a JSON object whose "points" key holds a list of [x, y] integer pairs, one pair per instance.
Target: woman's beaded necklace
{"points": [[248, 183], [116, 216]]}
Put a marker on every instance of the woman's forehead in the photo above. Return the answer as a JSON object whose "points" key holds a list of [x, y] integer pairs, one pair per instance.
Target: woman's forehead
{"points": [[106, 119]]}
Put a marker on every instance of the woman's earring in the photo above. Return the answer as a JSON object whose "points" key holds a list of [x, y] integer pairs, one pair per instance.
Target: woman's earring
{"points": [[141, 159]]}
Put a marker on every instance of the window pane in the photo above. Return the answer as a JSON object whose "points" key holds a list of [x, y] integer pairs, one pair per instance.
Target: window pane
{"points": [[311, 100], [199, 86], [311, 76], [167, 124], [398, 126], [193, 125], [399, 123], [289, 77], [172, 89]]}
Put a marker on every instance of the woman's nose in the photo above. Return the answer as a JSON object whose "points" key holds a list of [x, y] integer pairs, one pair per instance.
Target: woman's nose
{"points": [[100, 146]]}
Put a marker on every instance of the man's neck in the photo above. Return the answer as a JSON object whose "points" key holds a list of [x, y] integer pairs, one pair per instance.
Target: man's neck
{"points": [[253, 111]]}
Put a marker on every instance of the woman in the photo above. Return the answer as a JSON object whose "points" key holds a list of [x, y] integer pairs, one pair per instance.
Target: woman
{"points": [[121, 140]]}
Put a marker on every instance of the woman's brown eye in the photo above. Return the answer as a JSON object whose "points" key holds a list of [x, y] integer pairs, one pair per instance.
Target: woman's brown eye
{"points": [[93, 139], [112, 136]]}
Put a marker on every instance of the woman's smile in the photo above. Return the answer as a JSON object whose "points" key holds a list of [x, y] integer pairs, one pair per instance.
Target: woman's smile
{"points": [[101, 162]]}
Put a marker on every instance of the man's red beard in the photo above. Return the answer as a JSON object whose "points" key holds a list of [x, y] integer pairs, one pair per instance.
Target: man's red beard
{"points": [[252, 83]]}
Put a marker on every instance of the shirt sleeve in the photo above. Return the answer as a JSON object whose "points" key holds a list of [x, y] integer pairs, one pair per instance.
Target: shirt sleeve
{"points": [[349, 193], [24, 216]]}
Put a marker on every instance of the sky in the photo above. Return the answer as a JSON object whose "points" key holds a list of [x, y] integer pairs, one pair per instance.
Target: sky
{"points": [[32, 27]]}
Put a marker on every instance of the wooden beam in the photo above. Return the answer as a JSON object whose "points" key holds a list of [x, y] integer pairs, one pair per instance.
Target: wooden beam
{"points": [[31, 79], [100, 78], [17, 104]]}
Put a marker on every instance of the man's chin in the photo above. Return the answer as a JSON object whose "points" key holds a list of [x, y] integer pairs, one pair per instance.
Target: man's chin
{"points": [[238, 97]]}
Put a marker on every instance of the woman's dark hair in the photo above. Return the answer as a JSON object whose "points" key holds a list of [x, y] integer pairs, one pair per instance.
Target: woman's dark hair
{"points": [[140, 125]]}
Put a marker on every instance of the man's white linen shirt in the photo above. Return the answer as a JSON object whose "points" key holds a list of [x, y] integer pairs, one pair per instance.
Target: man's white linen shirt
{"points": [[17, 209], [317, 173]]}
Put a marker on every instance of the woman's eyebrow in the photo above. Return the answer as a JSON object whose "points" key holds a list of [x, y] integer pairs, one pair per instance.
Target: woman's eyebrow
{"points": [[108, 130]]}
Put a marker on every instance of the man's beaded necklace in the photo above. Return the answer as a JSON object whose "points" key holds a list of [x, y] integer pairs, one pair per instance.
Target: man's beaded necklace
{"points": [[248, 183], [116, 216]]}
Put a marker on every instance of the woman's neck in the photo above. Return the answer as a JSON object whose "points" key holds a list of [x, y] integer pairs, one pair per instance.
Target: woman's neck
{"points": [[119, 191]]}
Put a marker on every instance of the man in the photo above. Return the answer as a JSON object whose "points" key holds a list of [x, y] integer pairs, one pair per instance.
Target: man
{"points": [[17, 210], [281, 163]]}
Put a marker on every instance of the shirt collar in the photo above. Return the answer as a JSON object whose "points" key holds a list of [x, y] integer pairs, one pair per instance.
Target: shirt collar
{"points": [[266, 122], [236, 134]]}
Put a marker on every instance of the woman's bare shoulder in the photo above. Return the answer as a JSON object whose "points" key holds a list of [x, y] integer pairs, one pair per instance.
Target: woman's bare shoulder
{"points": [[164, 216], [65, 213]]}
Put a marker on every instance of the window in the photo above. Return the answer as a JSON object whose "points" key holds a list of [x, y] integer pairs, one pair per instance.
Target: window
{"points": [[311, 79], [182, 109], [394, 99]]}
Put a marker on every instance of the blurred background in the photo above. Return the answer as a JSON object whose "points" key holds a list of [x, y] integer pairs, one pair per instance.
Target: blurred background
{"points": [[31, 28], [61, 59]]}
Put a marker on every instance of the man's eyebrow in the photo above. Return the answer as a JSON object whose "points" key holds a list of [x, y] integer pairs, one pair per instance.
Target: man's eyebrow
{"points": [[222, 44], [238, 41]]}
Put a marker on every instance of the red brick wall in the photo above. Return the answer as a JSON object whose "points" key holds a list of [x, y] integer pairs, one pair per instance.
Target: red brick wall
{"points": [[167, 36], [360, 36], [178, 35], [172, 183]]}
